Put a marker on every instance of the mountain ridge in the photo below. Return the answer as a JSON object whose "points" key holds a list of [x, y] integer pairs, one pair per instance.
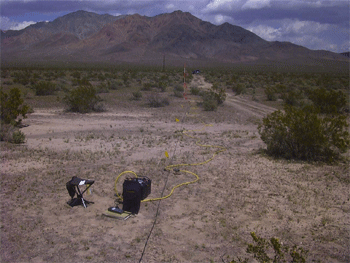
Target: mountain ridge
{"points": [[90, 37]]}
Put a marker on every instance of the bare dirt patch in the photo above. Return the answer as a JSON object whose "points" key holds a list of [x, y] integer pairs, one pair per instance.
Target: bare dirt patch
{"points": [[238, 192]]}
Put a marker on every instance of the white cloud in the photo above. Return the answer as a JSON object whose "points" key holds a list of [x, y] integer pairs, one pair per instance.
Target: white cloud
{"points": [[256, 4], [8, 24], [309, 34], [219, 19], [288, 28], [266, 32], [304, 27], [313, 3], [21, 25], [215, 5], [345, 46], [169, 6]]}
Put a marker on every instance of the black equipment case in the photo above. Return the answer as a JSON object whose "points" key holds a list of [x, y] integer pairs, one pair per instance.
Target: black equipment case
{"points": [[135, 190]]}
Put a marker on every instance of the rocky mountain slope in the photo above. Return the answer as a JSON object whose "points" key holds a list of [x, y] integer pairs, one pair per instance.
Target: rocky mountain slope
{"points": [[88, 37]]}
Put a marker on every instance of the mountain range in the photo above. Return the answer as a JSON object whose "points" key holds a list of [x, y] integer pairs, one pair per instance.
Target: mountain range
{"points": [[86, 37]]}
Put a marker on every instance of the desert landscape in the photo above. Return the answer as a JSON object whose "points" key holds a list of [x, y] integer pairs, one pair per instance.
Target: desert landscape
{"points": [[241, 190]]}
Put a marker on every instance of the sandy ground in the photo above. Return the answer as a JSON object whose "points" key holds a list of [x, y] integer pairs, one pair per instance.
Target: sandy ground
{"points": [[239, 191]]}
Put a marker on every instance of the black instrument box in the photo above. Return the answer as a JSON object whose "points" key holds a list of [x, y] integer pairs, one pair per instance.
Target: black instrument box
{"points": [[135, 190]]}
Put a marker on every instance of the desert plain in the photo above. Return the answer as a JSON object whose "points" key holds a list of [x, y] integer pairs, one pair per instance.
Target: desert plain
{"points": [[241, 190]]}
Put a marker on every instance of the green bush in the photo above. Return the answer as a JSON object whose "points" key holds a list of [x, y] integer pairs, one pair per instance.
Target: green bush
{"points": [[76, 74], [271, 93], [83, 99], [22, 77], [146, 86], [219, 94], [302, 134], [262, 249], [102, 88], [137, 95], [209, 104], [162, 86], [179, 91], [328, 102], [213, 98], [44, 88], [18, 137], [239, 88], [81, 82], [293, 98], [114, 85], [10, 133], [156, 101], [195, 90], [12, 107]]}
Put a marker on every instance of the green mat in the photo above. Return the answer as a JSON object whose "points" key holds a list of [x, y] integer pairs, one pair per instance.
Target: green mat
{"points": [[122, 216]]}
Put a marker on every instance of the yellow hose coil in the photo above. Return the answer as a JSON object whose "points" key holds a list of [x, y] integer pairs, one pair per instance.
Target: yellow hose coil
{"points": [[169, 167]]}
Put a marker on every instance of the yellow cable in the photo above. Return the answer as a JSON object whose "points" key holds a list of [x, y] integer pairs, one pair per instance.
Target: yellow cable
{"points": [[169, 167]]}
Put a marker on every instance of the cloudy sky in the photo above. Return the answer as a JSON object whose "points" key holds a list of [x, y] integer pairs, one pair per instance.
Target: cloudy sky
{"points": [[316, 24]]}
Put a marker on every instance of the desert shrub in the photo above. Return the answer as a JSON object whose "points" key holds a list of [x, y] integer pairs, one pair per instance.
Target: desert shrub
{"points": [[18, 137], [6, 132], [302, 134], [156, 101], [146, 86], [137, 95], [10, 133], [328, 102], [280, 88], [76, 74], [83, 99], [162, 86], [209, 103], [12, 107], [239, 88], [218, 93], [125, 77], [114, 85], [102, 88], [271, 93], [194, 90], [213, 98], [82, 82], [273, 251], [101, 77], [179, 91], [293, 97], [44, 88], [22, 77]]}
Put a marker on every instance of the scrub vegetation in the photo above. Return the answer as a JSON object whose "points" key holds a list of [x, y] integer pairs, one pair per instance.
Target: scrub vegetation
{"points": [[279, 191]]}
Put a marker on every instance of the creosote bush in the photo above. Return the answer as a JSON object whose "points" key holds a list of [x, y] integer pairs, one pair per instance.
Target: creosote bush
{"points": [[328, 101], [213, 98], [12, 107], [83, 99], [195, 90], [156, 101], [271, 93], [10, 133], [239, 88], [137, 95], [302, 134], [265, 251], [179, 91], [18, 137], [44, 88]]}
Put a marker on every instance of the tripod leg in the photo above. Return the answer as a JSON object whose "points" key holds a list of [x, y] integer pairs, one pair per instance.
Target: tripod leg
{"points": [[82, 199]]}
